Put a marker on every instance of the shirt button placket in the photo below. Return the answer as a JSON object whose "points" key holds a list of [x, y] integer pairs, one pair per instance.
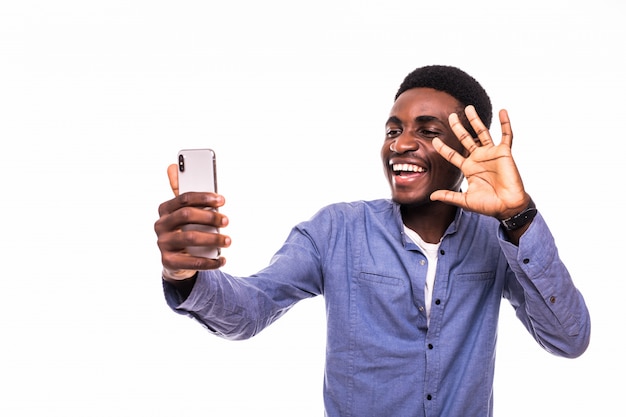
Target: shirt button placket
{"points": [[422, 263], [430, 347], [429, 380]]}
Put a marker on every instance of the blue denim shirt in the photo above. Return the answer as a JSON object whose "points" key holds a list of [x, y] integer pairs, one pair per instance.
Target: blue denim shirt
{"points": [[382, 358]]}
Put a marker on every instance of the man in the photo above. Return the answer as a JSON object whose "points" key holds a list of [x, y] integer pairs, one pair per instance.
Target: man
{"points": [[412, 285]]}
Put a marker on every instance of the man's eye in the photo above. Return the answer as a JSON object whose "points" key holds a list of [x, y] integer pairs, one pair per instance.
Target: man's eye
{"points": [[391, 133], [428, 133]]}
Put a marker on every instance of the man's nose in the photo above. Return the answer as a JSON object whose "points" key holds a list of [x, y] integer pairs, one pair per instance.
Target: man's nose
{"points": [[404, 143]]}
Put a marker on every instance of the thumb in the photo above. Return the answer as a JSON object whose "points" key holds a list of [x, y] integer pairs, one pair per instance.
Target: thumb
{"points": [[449, 197], [172, 174]]}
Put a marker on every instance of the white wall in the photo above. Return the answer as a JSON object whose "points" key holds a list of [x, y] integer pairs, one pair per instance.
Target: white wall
{"points": [[96, 98]]}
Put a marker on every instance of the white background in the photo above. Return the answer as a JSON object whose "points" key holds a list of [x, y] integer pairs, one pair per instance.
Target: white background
{"points": [[96, 98]]}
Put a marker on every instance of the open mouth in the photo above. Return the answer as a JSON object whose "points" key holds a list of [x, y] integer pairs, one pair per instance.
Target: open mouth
{"points": [[407, 169]]}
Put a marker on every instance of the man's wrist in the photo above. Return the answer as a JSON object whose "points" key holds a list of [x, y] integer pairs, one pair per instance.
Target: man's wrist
{"points": [[177, 275], [521, 219], [183, 286]]}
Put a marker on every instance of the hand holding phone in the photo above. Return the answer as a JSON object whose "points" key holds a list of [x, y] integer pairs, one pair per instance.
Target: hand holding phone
{"points": [[196, 172]]}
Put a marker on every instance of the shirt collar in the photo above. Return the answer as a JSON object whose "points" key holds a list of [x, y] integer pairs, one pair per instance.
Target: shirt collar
{"points": [[452, 228]]}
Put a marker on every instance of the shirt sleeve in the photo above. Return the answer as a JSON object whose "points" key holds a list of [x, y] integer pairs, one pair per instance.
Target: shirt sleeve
{"points": [[543, 294], [240, 307]]}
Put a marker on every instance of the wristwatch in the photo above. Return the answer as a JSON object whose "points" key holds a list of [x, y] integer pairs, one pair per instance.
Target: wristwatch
{"points": [[520, 219]]}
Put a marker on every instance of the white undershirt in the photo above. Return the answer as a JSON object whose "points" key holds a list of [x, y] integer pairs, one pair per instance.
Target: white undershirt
{"points": [[431, 251]]}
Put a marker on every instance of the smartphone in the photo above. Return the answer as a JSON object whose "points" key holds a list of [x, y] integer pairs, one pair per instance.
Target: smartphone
{"points": [[196, 172]]}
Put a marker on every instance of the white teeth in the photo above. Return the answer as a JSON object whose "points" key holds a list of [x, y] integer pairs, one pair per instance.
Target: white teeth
{"points": [[407, 168]]}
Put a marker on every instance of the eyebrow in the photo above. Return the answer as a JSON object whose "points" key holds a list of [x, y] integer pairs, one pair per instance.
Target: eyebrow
{"points": [[418, 119], [394, 120]]}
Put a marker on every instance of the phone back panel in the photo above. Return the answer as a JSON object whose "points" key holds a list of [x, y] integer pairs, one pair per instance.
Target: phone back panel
{"points": [[196, 170]]}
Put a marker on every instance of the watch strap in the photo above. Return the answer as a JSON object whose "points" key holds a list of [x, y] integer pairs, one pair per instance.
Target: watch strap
{"points": [[520, 219]]}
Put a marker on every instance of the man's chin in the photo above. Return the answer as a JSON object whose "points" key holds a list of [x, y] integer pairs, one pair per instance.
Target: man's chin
{"points": [[409, 201]]}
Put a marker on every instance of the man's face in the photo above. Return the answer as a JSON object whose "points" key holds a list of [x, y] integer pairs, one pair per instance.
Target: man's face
{"points": [[413, 167]]}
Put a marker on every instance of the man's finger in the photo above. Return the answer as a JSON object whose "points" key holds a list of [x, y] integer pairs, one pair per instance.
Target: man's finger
{"points": [[463, 135], [507, 132], [172, 174], [449, 197], [448, 153], [479, 127]]}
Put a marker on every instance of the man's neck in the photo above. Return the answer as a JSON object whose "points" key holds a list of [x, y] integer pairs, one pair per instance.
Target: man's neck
{"points": [[430, 220]]}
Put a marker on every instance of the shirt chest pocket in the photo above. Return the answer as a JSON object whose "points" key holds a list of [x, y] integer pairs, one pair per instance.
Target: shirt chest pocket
{"points": [[367, 278], [477, 277], [377, 289], [383, 309]]}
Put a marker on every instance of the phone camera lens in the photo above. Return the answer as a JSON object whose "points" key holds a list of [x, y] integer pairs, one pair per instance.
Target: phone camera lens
{"points": [[181, 163]]}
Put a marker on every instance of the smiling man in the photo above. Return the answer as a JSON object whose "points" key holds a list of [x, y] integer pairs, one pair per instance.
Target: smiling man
{"points": [[413, 284]]}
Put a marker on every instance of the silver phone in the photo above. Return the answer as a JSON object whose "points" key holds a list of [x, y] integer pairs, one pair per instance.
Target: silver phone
{"points": [[196, 172]]}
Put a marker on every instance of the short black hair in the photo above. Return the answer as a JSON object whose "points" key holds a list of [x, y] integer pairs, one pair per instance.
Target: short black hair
{"points": [[455, 82]]}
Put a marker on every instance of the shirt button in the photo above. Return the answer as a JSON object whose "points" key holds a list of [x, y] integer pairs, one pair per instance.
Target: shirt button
{"points": [[429, 397], [552, 299], [421, 308], [437, 301], [430, 346], [442, 252], [422, 262], [526, 260]]}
